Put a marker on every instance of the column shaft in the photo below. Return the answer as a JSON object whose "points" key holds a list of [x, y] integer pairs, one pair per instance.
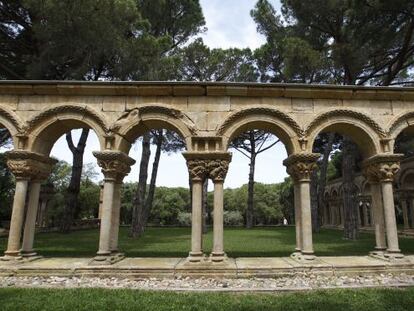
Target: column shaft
{"points": [[116, 210], [30, 224], [16, 223], [298, 218], [378, 213], [389, 213], [196, 253], [405, 214], [218, 226], [106, 220], [306, 220]]}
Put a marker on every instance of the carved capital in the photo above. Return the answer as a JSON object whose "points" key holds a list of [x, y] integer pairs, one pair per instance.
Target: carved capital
{"points": [[29, 165], [115, 165], [382, 168], [300, 166], [212, 165]]}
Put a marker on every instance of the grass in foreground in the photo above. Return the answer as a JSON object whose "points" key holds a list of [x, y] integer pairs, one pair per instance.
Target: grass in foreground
{"points": [[104, 299], [175, 242]]}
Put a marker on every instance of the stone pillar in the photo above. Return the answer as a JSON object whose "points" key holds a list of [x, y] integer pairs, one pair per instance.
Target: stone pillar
{"points": [[30, 224], [378, 217], [298, 218], [197, 168], [300, 167], [366, 216], [384, 168], [16, 222], [25, 166], [412, 213], [217, 171], [405, 213], [115, 166], [116, 211]]}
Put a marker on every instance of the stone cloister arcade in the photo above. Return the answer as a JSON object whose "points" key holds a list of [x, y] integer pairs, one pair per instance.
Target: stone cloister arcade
{"points": [[208, 116]]}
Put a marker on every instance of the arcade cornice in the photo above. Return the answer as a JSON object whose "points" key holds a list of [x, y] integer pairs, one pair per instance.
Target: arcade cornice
{"points": [[85, 88]]}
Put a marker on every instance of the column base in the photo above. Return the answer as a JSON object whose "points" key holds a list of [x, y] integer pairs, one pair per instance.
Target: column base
{"points": [[106, 258], [304, 257], [196, 257], [386, 255], [218, 256], [393, 255], [295, 254], [11, 256], [30, 255]]}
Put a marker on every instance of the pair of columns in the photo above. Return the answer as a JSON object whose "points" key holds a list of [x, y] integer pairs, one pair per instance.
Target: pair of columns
{"points": [[408, 217], [300, 168], [201, 166], [115, 166], [381, 171], [30, 170]]}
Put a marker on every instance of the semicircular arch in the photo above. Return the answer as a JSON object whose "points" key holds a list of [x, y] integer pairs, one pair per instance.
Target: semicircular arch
{"points": [[136, 122], [364, 131], [268, 119], [45, 128]]}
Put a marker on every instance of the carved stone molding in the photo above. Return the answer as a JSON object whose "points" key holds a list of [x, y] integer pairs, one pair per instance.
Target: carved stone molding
{"points": [[134, 116], [212, 165], [382, 168], [346, 113], [115, 164], [29, 165], [301, 165], [8, 115], [260, 110], [83, 110]]}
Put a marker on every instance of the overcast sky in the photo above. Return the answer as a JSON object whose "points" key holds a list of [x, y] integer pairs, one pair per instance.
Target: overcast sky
{"points": [[229, 25]]}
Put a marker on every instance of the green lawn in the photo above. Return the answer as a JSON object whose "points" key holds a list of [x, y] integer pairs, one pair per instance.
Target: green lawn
{"points": [[101, 299], [175, 242]]}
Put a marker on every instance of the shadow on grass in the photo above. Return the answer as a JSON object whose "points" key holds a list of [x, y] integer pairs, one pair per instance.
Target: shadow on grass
{"points": [[175, 242]]}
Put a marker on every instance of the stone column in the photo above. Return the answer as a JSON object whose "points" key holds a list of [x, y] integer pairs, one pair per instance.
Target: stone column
{"points": [[116, 211], [300, 167], [197, 169], [412, 213], [25, 165], [405, 213], [115, 166], [384, 168], [378, 213], [366, 216], [217, 171], [30, 223], [298, 218]]}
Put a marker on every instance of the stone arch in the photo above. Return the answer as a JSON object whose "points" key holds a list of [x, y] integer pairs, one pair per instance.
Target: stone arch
{"points": [[272, 120], [364, 131], [134, 123], [10, 121], [406, 179], [399, 124], [45, 128]]}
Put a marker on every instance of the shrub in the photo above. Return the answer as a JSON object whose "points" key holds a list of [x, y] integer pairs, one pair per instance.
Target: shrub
{"points": [[233, 218], [184, 219]]}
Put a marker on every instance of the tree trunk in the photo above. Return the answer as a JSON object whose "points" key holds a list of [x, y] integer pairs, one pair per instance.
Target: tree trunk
{"points": [[138, 211], [204, 204], [350, 203], [71, 207], [250, 194], [154, 172], [314, 201], [322, 177]]}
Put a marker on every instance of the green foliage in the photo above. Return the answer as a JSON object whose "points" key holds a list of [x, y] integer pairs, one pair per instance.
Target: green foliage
{"points": [[168, 203], [233, 218], [7, 186]]}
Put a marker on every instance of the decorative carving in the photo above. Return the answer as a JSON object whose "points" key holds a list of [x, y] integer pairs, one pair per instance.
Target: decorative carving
{"points": [[12, 118], [217, 169], [399, 120], [382, 168], [29, 165], [197, 169], [212, 165], [348, 113], [134, 116], [260, 110], [300, 166], [86, 111], [115, 164]]}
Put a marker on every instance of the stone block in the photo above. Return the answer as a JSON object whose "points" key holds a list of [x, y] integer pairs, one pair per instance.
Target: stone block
{"points": [[203, 103], [302, 105], [114, 103]]}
